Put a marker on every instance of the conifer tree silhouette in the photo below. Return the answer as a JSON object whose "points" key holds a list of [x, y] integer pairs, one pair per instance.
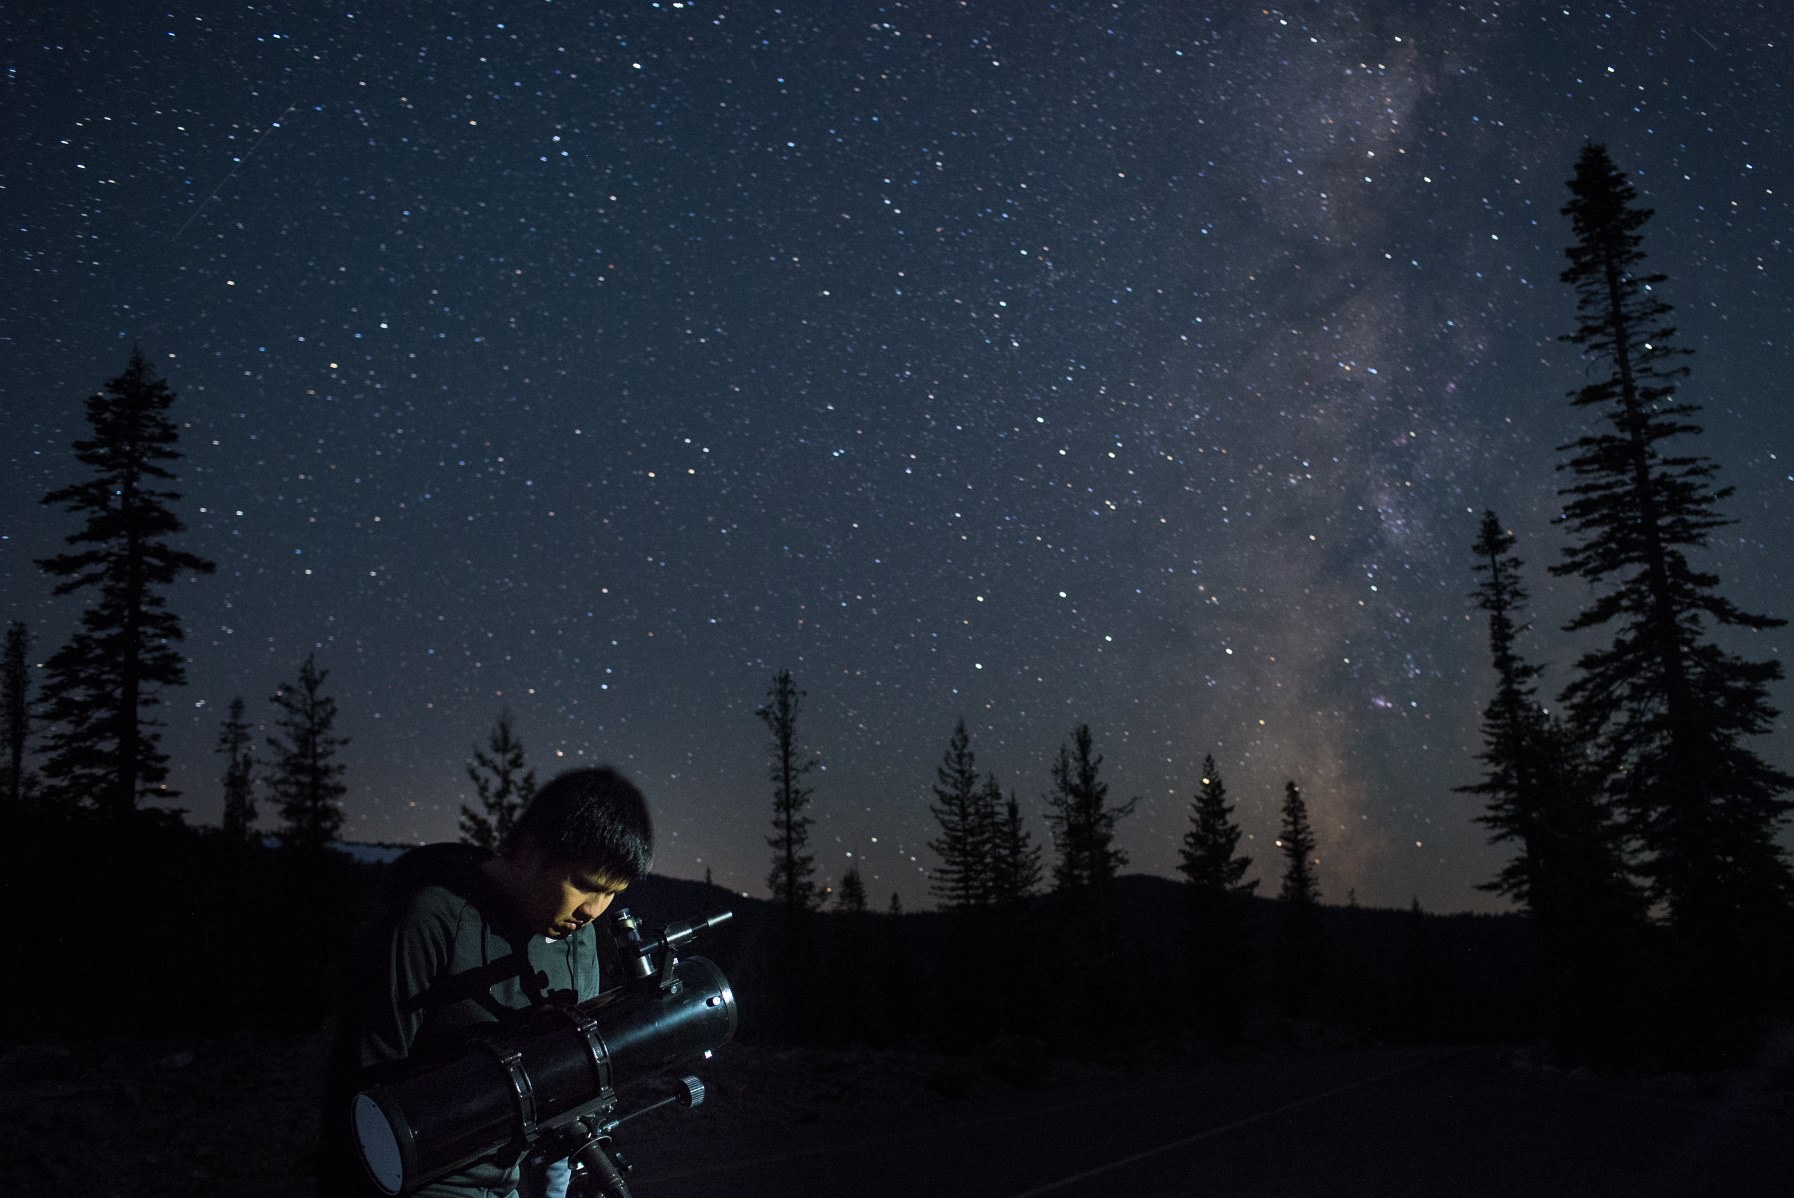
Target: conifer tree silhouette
{"points": [[1539, 795], [102, 687], [792, 880], [967, 821], [1669, 712], [851, 898], [1081, 818], [1568, 871], [234, 741], [1301, 885], [1299, 963], [1217, 893], [307, 778], [503, 783], [1207, 858], [1015, 858]]}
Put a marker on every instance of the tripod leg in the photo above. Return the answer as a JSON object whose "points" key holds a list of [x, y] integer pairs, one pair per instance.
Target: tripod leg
{"points": [[597, 1172]]}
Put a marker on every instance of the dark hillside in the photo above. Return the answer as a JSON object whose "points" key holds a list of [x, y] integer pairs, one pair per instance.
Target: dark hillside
{"points": [[158, 930], [167, 1024]]}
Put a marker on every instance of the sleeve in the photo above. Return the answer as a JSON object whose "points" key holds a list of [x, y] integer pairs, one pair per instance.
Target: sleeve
{"points": [[381, 1011], [403, 964]]}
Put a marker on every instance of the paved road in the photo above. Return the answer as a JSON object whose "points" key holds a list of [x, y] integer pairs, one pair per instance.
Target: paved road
{"points": [[1385, 1123]]}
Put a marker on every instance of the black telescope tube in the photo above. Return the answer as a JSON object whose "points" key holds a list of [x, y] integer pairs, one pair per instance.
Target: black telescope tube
{"points": [[559, 1065]]}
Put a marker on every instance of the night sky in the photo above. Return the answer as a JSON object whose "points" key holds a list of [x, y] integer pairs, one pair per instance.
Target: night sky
{"points": [[1035, 364]]}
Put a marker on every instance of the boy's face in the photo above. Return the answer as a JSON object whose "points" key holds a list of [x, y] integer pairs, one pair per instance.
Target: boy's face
{"points": [[559, 898]]}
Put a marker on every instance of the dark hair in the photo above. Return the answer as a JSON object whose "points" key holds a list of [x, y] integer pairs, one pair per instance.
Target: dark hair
{"points": [[595, 816]]}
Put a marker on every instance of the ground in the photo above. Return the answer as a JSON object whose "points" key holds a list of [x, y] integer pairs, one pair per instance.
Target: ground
{"points": [[237, 1116]]}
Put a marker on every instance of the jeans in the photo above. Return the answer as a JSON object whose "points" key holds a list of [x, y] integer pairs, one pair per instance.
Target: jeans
{"points": [[548, 1180]]}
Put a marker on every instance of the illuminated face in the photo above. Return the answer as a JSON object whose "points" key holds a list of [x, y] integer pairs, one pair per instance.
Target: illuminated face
{"points": [[580, 895], [557, 898]]}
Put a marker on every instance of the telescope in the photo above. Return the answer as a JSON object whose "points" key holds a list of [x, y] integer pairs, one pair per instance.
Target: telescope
{"points": [[550, 1083]]}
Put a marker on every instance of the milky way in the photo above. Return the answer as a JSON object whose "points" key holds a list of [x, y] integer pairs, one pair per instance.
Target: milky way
{"points": [[1032, 365]]}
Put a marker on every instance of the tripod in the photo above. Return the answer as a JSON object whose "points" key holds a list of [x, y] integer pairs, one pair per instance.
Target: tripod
{"points": [[598, 1164]]}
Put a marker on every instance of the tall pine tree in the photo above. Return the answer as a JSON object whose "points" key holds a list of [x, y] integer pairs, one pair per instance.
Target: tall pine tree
{"points": [[1301, 886], [103, 743], [792, 880], [1669, 711], [1300, 963], [1536, 793], [504, 786], [307, 778], [1207, 859], [1015, 858], [235, 739], [851, 898], [1217, 895], [1095, 988], [1517, 790], [1568, 871], [967, 821], [1081, 819]]}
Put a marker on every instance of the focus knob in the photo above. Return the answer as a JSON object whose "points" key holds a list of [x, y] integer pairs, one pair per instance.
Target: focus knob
{"points": [[692, 1091]]}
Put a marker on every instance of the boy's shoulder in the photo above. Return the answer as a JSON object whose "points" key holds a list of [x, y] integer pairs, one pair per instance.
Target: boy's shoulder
{"points": [[438, 881]]}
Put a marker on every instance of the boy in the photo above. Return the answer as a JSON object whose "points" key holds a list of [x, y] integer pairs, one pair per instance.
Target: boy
{"points": [[473, 938]]}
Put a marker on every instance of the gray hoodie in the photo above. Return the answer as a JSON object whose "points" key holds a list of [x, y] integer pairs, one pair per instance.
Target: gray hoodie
{"points": [[447, 962]]}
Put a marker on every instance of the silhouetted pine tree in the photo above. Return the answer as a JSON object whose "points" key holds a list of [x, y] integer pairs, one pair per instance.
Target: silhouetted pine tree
{"points": [[102, 686], [307, 778], [1015, 858], [1298, 965], [851, 898], [1669, 712], [1516, 790], [968, 828], [1012, 953], [504, 786], [1207, 858], [1569, 866], [1301, 887], [15, 715], [792, 879], [1087, 926], [234, 741], [1082, 822], [1217, 911]]}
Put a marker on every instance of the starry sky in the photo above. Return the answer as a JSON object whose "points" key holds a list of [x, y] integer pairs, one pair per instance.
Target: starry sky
{"points": [[1144, 365]]}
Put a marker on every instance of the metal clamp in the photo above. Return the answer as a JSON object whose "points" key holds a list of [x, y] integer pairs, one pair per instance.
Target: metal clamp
{"points": [[521, 1088], [585, 1026]]}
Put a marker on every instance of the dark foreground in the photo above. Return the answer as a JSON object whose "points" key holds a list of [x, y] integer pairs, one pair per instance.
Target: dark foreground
{"points": [[137, 1120], [1373, 1122]]}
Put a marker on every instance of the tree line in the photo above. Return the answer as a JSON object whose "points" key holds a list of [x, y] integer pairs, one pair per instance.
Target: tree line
{"points": [[1643, 825]]}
